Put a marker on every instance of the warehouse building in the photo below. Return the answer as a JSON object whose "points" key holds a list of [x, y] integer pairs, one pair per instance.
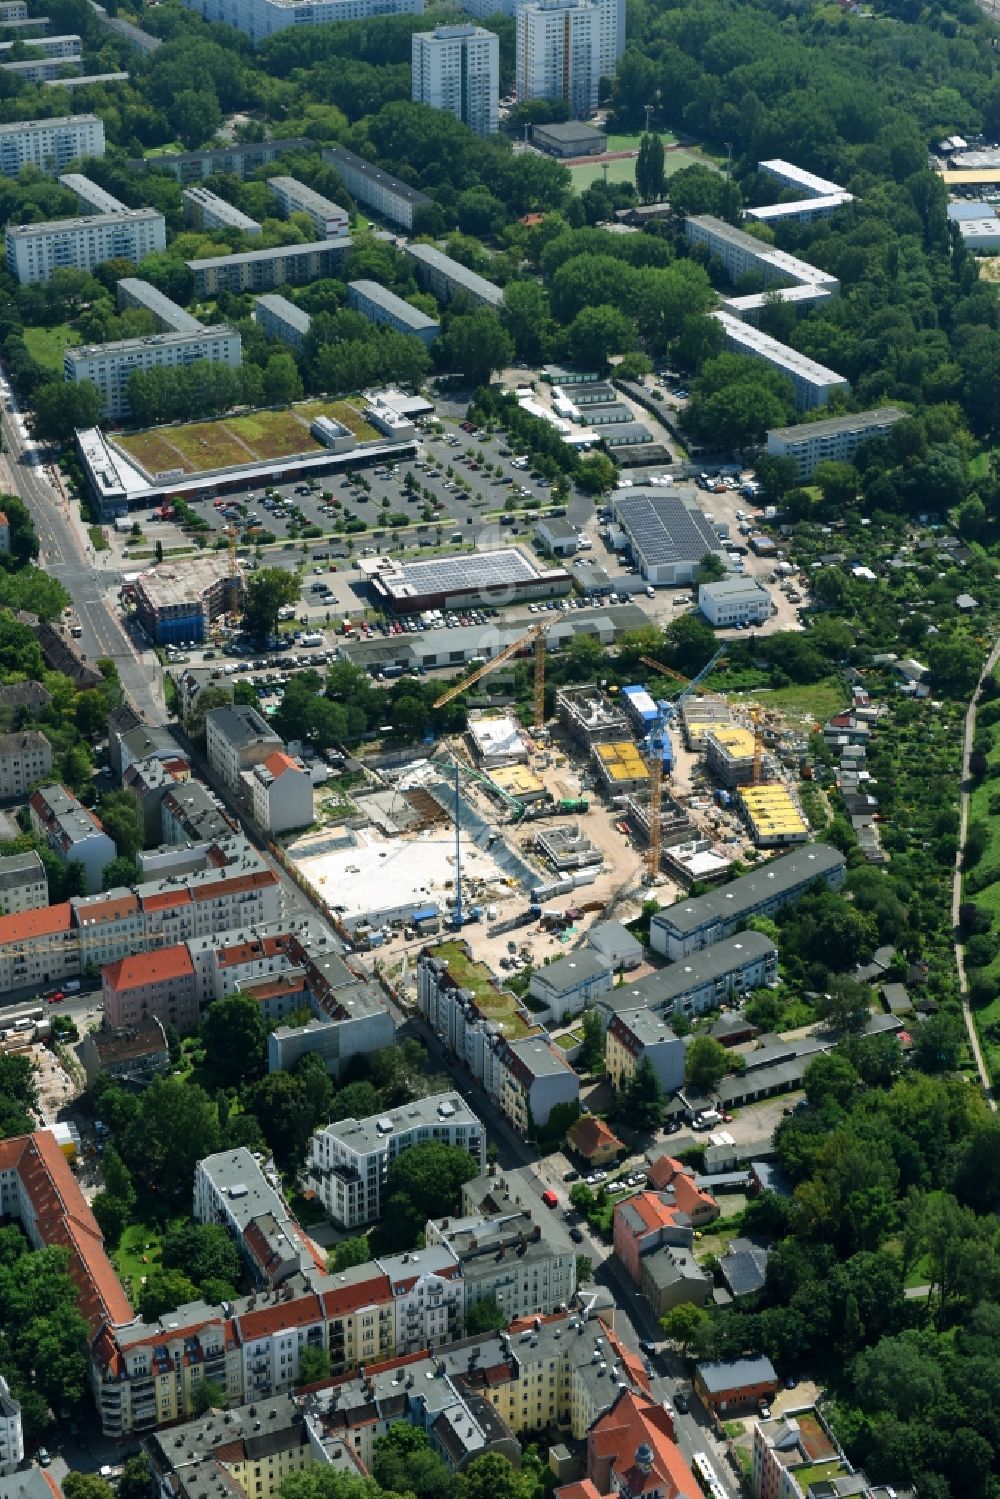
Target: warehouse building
{"points": [[772, 815], [477, 578], [34, 251], [812, 383], [169, 317], [280, 318], [379, 191], [668, 533], [835, 440], [179, 601], [445, 277], [733, 602], [111, 366], [206, 210], [49, 145], [690, 925], [379, 305], [328, 219], [260, 270]]}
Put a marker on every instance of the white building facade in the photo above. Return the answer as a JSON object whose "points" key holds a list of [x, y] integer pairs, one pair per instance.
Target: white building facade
{"points": [[559, 53], [111, 366], [262, 18], [34, 251], [328, 219], [457, 68], [49, 145], [735, 602]]}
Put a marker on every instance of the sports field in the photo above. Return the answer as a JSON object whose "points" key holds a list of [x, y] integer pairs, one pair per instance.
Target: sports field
{"points": [[624, 170], [234, 440]]}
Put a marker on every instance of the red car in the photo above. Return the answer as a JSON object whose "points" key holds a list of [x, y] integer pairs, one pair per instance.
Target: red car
{"points": [[55, 996], [550, 1199]]}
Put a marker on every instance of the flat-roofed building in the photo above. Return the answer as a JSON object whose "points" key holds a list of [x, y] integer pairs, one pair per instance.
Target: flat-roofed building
{"points": [[206, 210], [237, 739], [379, 305], [260, 270], [328, 218], [835, 439], [690, 925], [377, 189], [773, 815], [445, 277], [24, 885], [559, 53], [735, 601], [669, 534], [812, 383], [34, 251], [131, 291], [179, 601], [90, 195], [240, 160], [262, 18], [534, 1078], [232, 1189], [741, 254], [111, 366], [280, 318], [700, 982], [729, 754], [72, 831], [350, 1159], [570, 138], [50, 145], [54, 48], [457, 68], [39, 69]]}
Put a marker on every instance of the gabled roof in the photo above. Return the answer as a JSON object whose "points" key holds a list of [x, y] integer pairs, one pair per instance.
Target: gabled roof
{"points": [[590, 1134], [635, 1440]]}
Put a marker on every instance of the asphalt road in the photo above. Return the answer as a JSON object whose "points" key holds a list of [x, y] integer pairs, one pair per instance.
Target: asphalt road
{"points": [[64, 555]]}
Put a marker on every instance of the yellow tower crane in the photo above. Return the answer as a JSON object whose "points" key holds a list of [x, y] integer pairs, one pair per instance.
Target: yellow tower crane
{"points": [[536, 637]]}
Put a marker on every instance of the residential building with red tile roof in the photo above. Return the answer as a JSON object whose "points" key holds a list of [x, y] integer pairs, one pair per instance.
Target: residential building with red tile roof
{"points": [[668, 1176], [38, 1189], [644, 1222], [631, 1452], [156, 985], [594, 1141]]}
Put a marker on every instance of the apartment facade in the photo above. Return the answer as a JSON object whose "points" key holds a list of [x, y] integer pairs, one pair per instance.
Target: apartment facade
{"points": [[328, 218], [428, 1296], [262, 18], [559, 53], [457, 68], [510, 1256], [535, 1078], [237, 739], [11, 1431], [379, 305], [34, 251], [24, 885], [280, 318], [71, 831], [49, 145], [151, 985], [111, 366], [637, 1035], [350, 1160], [25, 759], [206, 210], [91, 197], [385, 195], [446, 277], [260, 270], [232, 1189], [282, 793], [835, 440], [812, 383]]}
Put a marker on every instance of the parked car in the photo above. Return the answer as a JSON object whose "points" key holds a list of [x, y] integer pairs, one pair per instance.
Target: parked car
{"points": [[576, 1235]]}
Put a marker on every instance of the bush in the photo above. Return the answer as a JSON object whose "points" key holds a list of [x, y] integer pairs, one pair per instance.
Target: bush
{"points": [[973, 918], [983, 990], [981, 949]]}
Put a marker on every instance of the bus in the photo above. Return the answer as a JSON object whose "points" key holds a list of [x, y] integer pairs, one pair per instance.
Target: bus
{"points": [[707, 1476]]}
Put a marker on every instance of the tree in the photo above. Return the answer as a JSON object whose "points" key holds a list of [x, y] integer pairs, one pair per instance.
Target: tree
{"points": [[484, 1317], [405, 1464], [938, 1043], [196, 116], [282, 381], [209, 1395], [595, 474], [491, 1476], [425, 1182], [136, 1480], [684, 1324], [830, 1077], [476, 344], [202, 1252], [650, 171], [176, 1125], [165, 1291], [591, 1058], [641, 1101], [86, 1486], [120, 872], [527, 317], [348, 1253], [62, 409], [267, 591], [119, 815], [845, 1006], [706, 1063], [584, 1269], [235, 1039], [598, 332], [711, 568], [314, 1366], [23, 543]]}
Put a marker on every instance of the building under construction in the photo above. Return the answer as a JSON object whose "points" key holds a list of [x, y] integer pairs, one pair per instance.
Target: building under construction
{"points": [[675, 824], [619, 767], [729, 754], [700, 714], [590, 717], [566, 846], [772, 815]]}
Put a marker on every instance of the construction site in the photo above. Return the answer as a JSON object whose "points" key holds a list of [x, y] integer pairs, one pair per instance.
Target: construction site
{"points": [[540, 827]]}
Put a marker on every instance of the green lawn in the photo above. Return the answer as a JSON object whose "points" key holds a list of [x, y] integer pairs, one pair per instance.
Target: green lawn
{"points": [[631, 142], [624, 171], [47, 345], [132, 1259], [820, 700]]}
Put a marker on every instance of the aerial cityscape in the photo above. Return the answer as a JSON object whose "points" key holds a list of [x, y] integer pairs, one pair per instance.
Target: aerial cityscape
{"points": [[499, 709]]}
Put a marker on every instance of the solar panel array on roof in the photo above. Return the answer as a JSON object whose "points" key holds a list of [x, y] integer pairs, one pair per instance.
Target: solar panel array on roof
{"points": [[666, 528], [476, 570]]}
